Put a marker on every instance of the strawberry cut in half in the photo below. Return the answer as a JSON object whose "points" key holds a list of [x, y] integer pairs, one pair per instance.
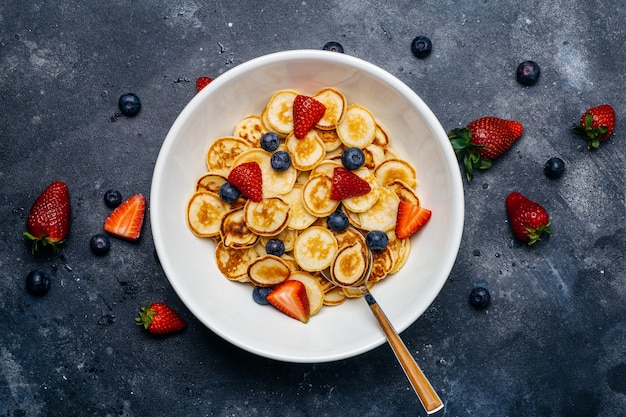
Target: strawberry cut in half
{"points": [[346, 184], [159, 319], [410, 219], [306, 113], [48, 221], [291, 299], [127, 219], [248, 179], [202, 82]]}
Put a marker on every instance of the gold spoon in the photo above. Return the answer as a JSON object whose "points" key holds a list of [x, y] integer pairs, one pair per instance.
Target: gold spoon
{"points": [[424, 390]]}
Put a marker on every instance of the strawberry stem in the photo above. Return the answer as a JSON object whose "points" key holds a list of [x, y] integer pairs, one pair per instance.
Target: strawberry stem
{"points": [[468, 152], [593, 135], [540, 233], [44, 242]]}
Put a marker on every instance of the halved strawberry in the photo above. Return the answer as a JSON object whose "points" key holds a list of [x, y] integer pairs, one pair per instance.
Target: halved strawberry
{"points": [[248, 179], [346, 184], [202, 82], [126, 220], [306, 113], [290, 298], [410, 219]]}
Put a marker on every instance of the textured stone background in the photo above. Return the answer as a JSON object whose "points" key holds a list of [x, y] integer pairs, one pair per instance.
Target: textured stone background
{"points": [[553, 342]]}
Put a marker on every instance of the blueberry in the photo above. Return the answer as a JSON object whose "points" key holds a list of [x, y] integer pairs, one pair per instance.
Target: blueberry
{"points": [[275, 247], [333, 47], [280, 160], [228, 193], [554, 168], [100, 244], [38, 282], [479, 297], [352, 158], [129, 104], [528, 73], [376, 240], [259, 295], [270, 141], [421, 46], [337, 221], [112, 198]]}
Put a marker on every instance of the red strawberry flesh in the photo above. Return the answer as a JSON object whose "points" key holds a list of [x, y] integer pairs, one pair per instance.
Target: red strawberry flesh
{"points": [[306, 113], [248, 179], [410, 219], [127, 219], [346, 184], [291, 298]]}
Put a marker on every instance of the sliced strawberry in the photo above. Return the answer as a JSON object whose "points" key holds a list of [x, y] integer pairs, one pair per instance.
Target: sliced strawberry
{"points": [[306, 113], [126, 220], [290, 298], [346, 184], [410, 219], [248, 179], [202, 82]]}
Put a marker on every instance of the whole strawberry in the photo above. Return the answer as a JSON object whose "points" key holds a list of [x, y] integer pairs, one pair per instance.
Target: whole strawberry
{"points": [[529, 220], [158, 319], [483, 141], [596, 125], [48, 220]]}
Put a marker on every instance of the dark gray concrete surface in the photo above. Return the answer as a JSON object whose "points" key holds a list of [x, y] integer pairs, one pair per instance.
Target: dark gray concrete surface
{"points": [[552, 343]]}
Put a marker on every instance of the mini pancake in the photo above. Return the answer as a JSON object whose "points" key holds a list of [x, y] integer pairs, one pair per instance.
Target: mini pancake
{"points": [[205, 211], [316, 196], [358, 127], [233, 263], [404, 192], [396, 169], [250, 129], [349, 266], [235, 233], [315, 248], [279, 111], [307, 152], [383, 214], [268, 270], [335, 104], [222, 154], [330, 139], [267, 217], [300, 218]]}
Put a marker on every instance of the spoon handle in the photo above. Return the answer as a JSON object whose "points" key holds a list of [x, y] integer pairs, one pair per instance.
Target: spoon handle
{"points": [[424, 390]]}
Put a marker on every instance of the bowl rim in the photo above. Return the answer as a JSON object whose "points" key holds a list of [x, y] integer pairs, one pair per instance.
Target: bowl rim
{"points": [[295, 55]]}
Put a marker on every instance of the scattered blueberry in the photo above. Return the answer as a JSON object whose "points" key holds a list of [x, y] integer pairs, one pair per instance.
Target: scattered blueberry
{"points": [[280, 160], [259, 295], [421, 46], [376, 240], [275, 247], [38, 282], [338, 221], [112, 198], [528, 73], [479, 297], [129, 104], [228, 193], [100, 244], [352, 158], [270, 141], [554, 168], [333, 47]]}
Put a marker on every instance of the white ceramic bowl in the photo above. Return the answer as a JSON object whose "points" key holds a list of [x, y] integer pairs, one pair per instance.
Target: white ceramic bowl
{"points": [[226, 307]]}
